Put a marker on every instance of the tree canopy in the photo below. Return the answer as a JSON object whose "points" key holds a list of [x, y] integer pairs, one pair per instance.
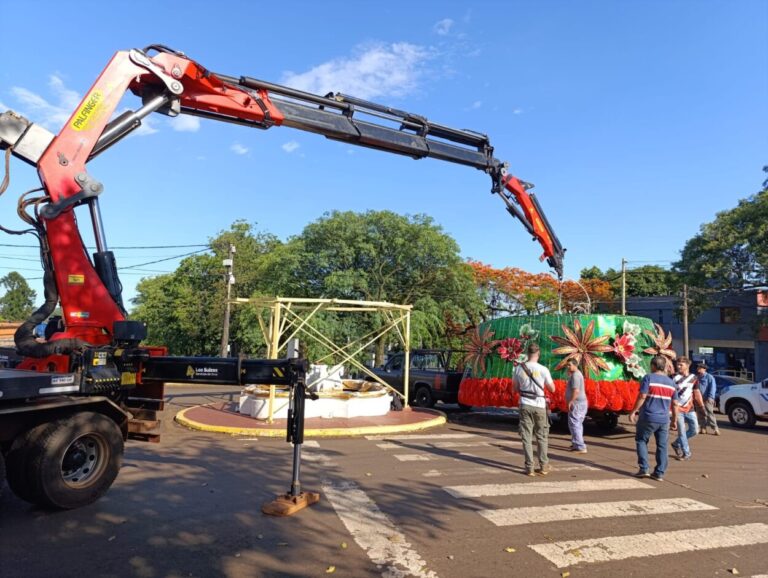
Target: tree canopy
{"points": [[731, 252], [19, 299], [372, 256], [645, 281], [512, 291]]}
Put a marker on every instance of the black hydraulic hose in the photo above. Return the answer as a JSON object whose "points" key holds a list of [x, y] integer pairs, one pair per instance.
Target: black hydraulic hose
{"points": [[26, 344]]}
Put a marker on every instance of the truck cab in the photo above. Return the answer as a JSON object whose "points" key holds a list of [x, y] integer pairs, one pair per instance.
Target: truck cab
{"points": [[434, 376], [745, 404]]}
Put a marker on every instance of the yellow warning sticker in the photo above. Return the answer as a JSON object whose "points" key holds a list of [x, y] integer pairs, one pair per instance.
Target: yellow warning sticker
{"points": [[75, 279], [91, 111], [127, 378]]}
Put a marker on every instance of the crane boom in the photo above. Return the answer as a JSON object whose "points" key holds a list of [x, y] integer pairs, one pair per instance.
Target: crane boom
{"points": [[169, 82]]}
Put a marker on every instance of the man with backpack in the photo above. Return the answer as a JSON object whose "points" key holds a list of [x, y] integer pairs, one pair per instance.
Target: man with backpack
{"points": [[531, 380]]}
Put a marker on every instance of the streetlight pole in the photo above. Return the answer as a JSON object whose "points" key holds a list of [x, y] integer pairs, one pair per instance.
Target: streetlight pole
{"points": [[685, 319], [623, 286], [230, 280]]}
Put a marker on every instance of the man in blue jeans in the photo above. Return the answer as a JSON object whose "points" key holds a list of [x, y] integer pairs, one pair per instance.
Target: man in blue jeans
{"points": [[576, 399], [656, 398]]}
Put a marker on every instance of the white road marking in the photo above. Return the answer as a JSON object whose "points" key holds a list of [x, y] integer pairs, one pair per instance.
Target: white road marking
{"points": [[311, 444], [541, 514], [445, 445], [571, 552], [374, 532], [319, 458], [412, 457], [496, 471], [523, 488], [422, 436], [578, 467], [466, 472]]}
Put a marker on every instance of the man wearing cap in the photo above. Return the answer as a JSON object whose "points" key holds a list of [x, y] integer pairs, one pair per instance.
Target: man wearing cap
{"points": [[708, 389]]}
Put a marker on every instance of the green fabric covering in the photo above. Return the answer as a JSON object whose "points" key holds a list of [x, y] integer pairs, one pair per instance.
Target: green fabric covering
{"points": [[548, 325]]}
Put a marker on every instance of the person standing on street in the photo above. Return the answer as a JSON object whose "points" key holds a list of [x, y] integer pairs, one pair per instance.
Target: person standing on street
{"points": [[656, 398], [531, 379], [708, 389], [576, 398], [688, 395]]}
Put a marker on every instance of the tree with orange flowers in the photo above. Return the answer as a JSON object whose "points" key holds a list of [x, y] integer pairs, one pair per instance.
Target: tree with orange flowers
{"points": [[512, 291]]}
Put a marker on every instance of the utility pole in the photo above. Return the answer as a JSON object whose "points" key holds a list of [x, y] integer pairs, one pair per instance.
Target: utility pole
{"points": [[230, 280], [685, 319], [623, 286]]}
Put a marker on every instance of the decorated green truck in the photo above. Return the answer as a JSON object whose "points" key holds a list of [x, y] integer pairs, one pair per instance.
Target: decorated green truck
{"points": [[613, 353]]}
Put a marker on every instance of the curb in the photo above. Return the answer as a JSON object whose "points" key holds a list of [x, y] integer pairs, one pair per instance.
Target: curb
{"points": [[182, 419]]}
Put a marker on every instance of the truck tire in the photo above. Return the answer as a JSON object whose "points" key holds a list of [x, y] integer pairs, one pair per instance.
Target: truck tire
{"points": [[607, 421], [423, 397], [75, 461], [17, 462], [740, 414]]}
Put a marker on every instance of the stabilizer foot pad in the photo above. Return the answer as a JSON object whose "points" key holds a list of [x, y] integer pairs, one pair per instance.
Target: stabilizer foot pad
{"points": [[287, 505]]}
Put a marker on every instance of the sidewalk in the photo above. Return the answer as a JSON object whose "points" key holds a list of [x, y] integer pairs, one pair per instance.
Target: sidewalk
{"points": [[223, 417]]}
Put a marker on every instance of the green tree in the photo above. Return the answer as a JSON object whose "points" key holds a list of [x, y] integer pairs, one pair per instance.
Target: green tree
{"points": [[382, 256], [19, 300], [645, 281], [185, 309], [731, 252]]}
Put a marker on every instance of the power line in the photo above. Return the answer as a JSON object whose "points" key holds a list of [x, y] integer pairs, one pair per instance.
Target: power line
{"points": [[166, 259], [115, 247]]}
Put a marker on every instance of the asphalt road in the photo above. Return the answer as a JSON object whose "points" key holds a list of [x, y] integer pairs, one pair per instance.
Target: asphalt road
{"points": [[451, 502]]}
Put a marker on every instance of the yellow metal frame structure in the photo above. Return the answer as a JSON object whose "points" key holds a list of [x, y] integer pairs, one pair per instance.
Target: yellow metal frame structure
{"points": [[292, 316]]}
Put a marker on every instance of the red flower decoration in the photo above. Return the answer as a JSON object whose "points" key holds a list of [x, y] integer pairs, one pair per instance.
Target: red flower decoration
{"points": [[510, 349], [624, 347]]}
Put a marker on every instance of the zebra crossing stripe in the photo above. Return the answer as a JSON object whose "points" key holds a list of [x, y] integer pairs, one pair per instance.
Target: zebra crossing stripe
{"points": [[523, 488], [447, 445], [425, 436], [374, 532], [412, 457], [571, 552], [495, 471], [541, 514], [466, 472]]}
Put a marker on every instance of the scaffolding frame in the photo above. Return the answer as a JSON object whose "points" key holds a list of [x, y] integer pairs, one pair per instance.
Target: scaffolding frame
{"points": [[292, 316]]}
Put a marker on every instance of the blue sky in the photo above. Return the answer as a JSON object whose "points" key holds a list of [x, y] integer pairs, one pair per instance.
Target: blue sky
{"points": [[637, 121]]}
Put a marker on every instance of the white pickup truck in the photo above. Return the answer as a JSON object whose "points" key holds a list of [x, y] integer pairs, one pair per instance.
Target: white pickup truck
{"points": [[745, 404]]}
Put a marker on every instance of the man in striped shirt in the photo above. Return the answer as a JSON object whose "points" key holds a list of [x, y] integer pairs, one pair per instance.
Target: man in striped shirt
{"points": [[688, 395], [656, 398]]}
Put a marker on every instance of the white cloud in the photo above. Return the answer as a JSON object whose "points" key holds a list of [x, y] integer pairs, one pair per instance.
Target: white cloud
{"points": [[375, 70], [185, 123], [238, 149], [517, 111], [53, 114], [477, 104], [290, 146], [67, 98], [39, 110], [148, 126], [443, 27]]}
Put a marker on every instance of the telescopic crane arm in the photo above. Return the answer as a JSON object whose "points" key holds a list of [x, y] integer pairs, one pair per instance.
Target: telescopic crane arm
{"points": [[169, 82]]}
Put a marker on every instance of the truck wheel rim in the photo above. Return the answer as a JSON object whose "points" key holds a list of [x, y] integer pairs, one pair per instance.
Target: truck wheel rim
{"points": [[83, 461], [739, 415]]}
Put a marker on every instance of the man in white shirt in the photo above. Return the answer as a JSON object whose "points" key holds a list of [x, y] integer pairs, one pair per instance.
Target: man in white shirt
{"points": [[531, 380]]}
